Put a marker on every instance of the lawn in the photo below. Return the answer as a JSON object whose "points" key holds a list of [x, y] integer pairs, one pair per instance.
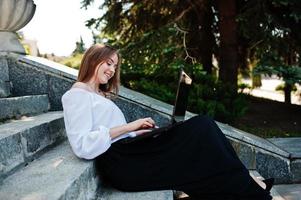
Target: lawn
{"points": [[268, 118]]}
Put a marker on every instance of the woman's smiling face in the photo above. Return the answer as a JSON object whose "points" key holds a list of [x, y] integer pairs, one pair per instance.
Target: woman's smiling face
{"points": [[106, 70]]}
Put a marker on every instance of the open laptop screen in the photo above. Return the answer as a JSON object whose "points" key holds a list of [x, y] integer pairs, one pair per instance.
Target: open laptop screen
{"points": [[181, 101]]}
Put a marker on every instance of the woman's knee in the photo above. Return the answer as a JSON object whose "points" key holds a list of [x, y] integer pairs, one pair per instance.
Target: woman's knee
{"points": [[203, 120]]}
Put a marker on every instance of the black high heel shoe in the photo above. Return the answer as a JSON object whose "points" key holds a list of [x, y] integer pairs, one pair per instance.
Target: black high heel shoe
{"points": [[269, 183]]}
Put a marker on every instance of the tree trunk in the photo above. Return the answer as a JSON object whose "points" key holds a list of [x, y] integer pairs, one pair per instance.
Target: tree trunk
{"points": [[228, 62], [207, 38], [288, 87], [287, 93]]}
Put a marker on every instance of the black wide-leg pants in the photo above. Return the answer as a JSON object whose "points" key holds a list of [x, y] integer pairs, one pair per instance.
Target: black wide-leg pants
{"points": [[194, 157]]}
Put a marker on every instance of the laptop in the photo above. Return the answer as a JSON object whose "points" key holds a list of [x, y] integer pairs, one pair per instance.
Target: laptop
{"points": [[179, 110]]}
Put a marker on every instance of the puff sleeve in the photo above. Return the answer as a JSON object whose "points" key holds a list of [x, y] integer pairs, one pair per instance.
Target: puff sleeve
{"points": [[85, 141]]}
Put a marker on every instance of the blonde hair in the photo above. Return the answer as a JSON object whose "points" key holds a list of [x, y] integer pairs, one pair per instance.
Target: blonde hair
{"points": [[95, 55]]}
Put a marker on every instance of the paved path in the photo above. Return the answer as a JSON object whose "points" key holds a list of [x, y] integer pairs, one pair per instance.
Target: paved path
{"points": [[267, 90]]}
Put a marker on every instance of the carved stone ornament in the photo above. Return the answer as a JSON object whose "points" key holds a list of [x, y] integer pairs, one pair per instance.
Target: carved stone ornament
{"points": [[14, 15]]}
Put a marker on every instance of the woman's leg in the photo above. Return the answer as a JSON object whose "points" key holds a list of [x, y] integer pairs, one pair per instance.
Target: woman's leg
{"points": [[194, 156], [254, 187]]}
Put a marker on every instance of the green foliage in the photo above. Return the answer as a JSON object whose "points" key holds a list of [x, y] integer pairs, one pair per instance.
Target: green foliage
{"points": [[151, 43], [153, 89], [216, 99], [290, 74], [207, 96], [280, 87], [268, 132], [269, 27], [73, 61]]}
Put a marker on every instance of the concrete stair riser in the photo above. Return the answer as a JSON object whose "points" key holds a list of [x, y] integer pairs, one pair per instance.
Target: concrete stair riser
{"points": [[268, 164], [26, 105], [27, 141], [4, 88], [11, 154], [28, 80]]}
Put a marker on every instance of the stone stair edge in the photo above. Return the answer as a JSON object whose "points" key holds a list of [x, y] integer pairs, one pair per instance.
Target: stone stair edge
{"points": [[25, 96], [14, 126], [113, 194], [258, 142]]}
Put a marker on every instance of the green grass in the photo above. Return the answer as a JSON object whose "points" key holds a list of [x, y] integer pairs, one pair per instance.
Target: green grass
{"points": [[268, 132]]}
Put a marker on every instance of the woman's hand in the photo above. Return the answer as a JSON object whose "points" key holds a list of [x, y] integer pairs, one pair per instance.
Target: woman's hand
{"points": [[140, 126], [143, 123]]}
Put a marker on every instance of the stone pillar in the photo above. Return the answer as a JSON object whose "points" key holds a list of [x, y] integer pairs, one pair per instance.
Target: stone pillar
{"points": [[14, 15]]}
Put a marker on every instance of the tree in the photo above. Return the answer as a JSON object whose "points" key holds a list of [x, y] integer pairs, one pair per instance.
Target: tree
{"points": [[80, 47], [270, 29], [129, 20]]}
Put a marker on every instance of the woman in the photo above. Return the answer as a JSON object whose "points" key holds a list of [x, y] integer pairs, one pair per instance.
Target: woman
{"points": [[194, 157]]}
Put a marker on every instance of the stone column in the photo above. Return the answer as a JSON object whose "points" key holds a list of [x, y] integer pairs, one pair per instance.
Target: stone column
{"points": [[14, 15]]}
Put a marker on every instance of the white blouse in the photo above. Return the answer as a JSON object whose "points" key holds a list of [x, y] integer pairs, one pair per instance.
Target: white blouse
{"points": [[88, 118]]}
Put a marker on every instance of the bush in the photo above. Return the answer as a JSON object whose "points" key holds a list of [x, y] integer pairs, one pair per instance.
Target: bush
{"points": [[207, 96], [217, 100]]}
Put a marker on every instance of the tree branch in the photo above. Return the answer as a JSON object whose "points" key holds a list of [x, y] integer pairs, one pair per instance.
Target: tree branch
{"points": [[193, 59]]}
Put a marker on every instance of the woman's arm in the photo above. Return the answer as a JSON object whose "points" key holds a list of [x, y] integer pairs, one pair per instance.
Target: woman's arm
{"points": [[86, 140], [143, 123]]}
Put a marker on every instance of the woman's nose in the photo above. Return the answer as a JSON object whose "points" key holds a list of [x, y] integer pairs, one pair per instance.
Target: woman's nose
{"points": [[112, 69]]}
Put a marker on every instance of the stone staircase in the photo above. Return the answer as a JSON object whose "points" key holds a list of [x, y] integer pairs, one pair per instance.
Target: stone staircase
{"points": [[36, 161]]}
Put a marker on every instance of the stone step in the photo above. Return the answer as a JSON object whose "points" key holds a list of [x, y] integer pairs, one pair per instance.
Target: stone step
{"points": [[25, 105], [289, 191], [113, 194], [22, 140], [56, 175]]}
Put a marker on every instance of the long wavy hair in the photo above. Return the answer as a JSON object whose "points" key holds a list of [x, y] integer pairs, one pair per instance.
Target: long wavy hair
{"points": [[95, 55]]}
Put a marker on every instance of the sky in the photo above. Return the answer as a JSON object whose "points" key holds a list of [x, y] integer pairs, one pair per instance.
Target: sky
{"points": [[58, 24]]}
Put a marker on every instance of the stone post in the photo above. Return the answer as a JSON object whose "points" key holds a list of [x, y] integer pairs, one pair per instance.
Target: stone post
{"points": [[14, 15]]}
